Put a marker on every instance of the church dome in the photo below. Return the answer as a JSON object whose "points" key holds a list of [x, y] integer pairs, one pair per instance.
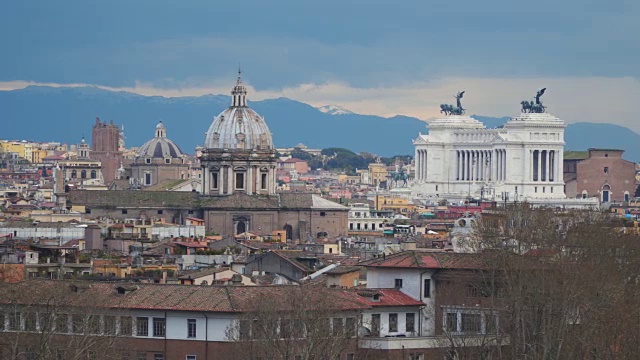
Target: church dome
{"points": [[160, 146], [238, 127]]}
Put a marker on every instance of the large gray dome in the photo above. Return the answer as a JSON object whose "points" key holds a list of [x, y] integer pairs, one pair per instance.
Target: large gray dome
{"points": [[160, 147], [238, 127]]}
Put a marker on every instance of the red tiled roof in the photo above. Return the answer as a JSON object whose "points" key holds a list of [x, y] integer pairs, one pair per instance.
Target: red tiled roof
{"points": [[393, 297], [191, 245], [166, 297], [431, 260]]}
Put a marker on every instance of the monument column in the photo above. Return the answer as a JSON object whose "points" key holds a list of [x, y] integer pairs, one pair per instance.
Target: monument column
{"points": [[205, 177], [539, 169], [249, 181], [230, 184]]}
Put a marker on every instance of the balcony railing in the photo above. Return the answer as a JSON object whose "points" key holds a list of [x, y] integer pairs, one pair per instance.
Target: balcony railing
{"points": [[432, 342]]}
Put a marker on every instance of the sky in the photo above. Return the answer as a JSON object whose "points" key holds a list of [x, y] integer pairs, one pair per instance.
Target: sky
{"points": [[372, 57]]}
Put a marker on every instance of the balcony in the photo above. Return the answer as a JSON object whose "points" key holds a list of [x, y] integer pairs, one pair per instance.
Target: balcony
{"points": [[432, 342]]}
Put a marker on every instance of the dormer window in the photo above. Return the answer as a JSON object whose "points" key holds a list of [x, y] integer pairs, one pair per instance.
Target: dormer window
{"points": [[167, 161], [376, 297], [147, 160], [126, 289]]}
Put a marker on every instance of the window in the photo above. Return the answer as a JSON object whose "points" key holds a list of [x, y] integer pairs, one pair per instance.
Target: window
{"points": [[109, 325], [410, 322], [93, 324], [167, 161], [60, 355], [94, 174], [606, 169], [322, 213], [126, 325], [491, 321], [74, 174], [191, 357], [263, 182], [160, 212], [142, 326], [416, 356], [83, 174], [393, 322], [87, 211], [91, 355], [124, 211], [471, 323], [375, 324], [451, 322], [30, 321], [240, 181], [141, 356], [338, 326], [148, 161], [427, 288], [159, 327], [77, 324], [350, 327], [14, 321], [191, 328], [245, 329], [351, 356], [147, 179], [158, 356], [214, 180], [398, 283]]}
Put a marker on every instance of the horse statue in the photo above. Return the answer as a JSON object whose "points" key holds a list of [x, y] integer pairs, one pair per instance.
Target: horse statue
{"points": [[448, 109], [534, 107], [400, 176]]}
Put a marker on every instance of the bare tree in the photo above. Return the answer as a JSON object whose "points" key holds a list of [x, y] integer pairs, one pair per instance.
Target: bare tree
{"points": [[569, 282], [38, 323], [298, 323]]}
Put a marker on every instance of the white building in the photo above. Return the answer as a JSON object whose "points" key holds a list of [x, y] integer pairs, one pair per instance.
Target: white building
{"points": [[460, 158], [363, 218]]}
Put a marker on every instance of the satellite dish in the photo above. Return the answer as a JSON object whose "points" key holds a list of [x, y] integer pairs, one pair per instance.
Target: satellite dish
{"points": [[364, 331]]}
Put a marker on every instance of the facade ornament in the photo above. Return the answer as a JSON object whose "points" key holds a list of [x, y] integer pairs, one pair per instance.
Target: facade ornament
{"points": [[536, 106], [449, 109]]}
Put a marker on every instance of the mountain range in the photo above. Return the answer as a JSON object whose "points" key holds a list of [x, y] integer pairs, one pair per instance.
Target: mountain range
{"points": [[65, 114]]}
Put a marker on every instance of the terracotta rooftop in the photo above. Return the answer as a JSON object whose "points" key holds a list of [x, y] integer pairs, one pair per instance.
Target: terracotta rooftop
{"points": [[143, 296], [431, 260], [178, 199], [123, 198]]}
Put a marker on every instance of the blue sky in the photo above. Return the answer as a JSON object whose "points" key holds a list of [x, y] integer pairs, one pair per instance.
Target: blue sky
{"points": [[371, 56]]}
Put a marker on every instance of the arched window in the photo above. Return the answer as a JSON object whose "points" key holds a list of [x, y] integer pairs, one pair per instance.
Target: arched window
{"points": [[289, 230], [94, 174], [74, 174], [241, 227], [83, 174], [584, 194]]}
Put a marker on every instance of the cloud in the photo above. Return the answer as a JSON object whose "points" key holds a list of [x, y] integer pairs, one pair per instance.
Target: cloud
{"points": [[592, 99]]}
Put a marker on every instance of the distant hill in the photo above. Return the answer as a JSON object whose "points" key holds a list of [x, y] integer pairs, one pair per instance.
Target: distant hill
{"points": [[43, 113]]}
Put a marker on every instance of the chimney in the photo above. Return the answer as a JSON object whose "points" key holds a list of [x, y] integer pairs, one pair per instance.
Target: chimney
{"points": [[236, 279], [408, 245]]}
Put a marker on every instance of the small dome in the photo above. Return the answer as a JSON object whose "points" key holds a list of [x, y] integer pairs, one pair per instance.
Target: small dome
{"points": [[238, 127], [160, 146]]}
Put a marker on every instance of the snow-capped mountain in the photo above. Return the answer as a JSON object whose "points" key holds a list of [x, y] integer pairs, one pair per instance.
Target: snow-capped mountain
{"points": [[334, 110]]}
